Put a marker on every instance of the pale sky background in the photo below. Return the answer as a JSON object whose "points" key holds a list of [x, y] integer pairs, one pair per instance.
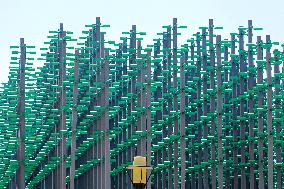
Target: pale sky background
{"points": [[32, 19]]}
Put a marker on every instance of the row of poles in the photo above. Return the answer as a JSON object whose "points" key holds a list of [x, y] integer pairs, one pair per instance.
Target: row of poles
{"points": [[191, 111]]}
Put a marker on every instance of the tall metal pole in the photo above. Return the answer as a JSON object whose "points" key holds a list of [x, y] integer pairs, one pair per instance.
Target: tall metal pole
{"points": [[277, 116], [21, 112], [212, 102], [269, 113], [125, 178], [141, 91], [118, 77], [176, 170], [62, 126], [148, 123], [74, 119], [102, 125], [227, 174], [167, 66], [182, 121], [260, 114], [131, 89], [199, 113], [106, 142], [205, 105], [193, 73], [187, 118], [96, 175], [242, 105], [251, 101], [219, 112], [233, 76]]}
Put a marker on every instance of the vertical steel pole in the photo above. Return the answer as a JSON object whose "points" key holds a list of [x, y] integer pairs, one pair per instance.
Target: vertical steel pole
{"points": [[187, 118], [132, 60], [182, 121], [169, 99], [199, 112], [205, 106], [99, 51], [167, 106], [118, 78], [125, 179], [260, 95], [233, 76], [148, 123], [62, 126], [242, 106], [227, 174], [277, 116], [212, 102], [102, 120], [193, 73], [176, 170], [269, 114], [21, 112], [74, 119], [141, 91], [219, 111], [251, 101], [106, 142]]}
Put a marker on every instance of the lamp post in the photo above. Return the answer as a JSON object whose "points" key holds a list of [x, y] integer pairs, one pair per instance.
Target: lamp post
{"points": [[139, 172]]}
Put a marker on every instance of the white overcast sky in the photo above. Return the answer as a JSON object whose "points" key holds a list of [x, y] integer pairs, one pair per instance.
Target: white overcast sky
{"points": [[32, 19]]}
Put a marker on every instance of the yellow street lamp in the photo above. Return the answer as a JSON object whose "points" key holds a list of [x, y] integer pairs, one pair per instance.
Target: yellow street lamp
{"points": [[139, 172]]}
